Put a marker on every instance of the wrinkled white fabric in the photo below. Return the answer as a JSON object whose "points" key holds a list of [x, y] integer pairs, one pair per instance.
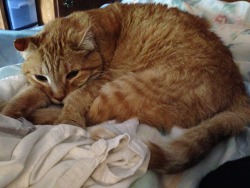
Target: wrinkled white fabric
{"points": [[66, 156]]}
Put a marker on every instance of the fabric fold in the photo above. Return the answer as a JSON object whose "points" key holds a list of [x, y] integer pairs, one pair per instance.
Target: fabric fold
{"points": [[66, 156]]}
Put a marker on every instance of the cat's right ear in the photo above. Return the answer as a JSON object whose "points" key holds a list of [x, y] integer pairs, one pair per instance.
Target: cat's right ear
{"points": [[25, 45]]}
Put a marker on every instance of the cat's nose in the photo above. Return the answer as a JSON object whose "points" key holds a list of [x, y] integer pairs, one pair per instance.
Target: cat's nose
{"points": [[59, 98], [58, 95]]}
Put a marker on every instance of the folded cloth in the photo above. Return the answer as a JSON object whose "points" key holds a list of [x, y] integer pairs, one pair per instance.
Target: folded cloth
{"points": [[66, 156]]}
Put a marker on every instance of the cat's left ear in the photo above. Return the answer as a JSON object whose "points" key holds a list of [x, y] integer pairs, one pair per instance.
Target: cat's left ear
{"points": [[86, 41]]}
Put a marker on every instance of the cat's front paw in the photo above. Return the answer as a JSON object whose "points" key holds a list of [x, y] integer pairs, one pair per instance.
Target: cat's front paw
{"points": [[71, 120], [14, 111], [44, 116]]}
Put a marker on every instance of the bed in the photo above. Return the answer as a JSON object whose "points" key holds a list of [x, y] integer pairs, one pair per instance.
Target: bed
{"points": [[66, 156]]}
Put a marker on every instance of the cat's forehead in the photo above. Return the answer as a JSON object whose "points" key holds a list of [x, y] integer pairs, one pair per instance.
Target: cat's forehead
{"points": [[57, 58], [46, 61], [53, 40], [57, 42], [66, 30]]}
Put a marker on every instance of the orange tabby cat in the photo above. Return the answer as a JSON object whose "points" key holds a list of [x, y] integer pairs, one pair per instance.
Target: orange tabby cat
{"points": [[156, 63]]}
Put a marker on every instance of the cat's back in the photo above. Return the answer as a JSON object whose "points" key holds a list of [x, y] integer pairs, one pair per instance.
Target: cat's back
{"points": [[156, 33], [159, 20]]}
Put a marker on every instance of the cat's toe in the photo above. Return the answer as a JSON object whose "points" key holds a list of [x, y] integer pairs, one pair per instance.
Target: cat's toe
{"points": [[13, 113]]}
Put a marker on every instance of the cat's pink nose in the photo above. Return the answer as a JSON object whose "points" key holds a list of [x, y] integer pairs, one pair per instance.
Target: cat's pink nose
{"points": [[58, 95]]}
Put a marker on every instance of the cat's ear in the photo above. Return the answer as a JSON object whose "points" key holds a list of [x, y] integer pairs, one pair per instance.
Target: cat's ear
{"points": [[84, 40], [26, 45]]}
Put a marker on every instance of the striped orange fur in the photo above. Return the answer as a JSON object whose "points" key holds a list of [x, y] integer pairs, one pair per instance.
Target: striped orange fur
{"points": [[155, 63]]}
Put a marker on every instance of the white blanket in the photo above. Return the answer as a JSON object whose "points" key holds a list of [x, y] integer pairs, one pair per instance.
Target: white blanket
{"points": [[66, 156]]}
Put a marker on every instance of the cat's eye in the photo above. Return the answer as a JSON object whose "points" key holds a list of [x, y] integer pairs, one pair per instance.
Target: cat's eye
{"points": [[72, 74], [41, 78]]}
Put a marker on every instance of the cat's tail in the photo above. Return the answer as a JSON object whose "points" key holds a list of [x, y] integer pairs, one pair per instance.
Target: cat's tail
{"points": [[188, 148]]}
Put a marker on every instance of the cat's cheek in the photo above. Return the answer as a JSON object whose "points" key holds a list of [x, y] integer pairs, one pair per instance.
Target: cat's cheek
{"points": [[46, 89]]}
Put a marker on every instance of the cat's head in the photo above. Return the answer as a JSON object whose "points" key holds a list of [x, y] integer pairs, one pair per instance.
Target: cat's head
{"points": [[61, 58]]}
